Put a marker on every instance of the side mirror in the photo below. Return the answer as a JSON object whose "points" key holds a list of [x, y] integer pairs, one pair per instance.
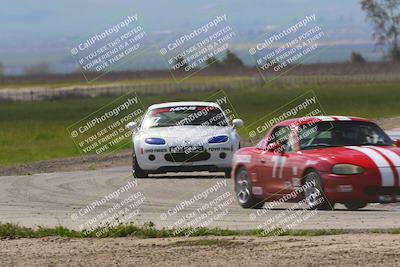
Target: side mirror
{"points": [[237, 123], [132, 125], [275, 148], [397, 142]]}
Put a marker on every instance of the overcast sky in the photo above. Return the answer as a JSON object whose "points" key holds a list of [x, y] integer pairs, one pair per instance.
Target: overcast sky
{"points": [[34, 29]]}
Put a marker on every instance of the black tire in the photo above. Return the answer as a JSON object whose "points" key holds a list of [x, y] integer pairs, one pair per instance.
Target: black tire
{"points": [[243, 191], [355, 205], [314, 193], [228, 173], [137, 171]]}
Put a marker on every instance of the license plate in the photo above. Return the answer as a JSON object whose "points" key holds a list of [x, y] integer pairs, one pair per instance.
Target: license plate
{"points": [[186, 149]]}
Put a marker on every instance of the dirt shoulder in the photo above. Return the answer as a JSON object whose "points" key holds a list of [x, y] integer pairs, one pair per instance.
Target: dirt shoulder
{"points": [[389, 123], [79, 163], [337, 250], [84, 163]]}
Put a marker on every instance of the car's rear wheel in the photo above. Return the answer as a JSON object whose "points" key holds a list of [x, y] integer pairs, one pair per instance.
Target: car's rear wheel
{"points": [[355, 205], [137, 171], [243, 190], [228, 173], [314, 193]]}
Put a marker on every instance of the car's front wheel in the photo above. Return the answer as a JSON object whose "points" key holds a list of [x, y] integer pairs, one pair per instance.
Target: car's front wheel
{"points": [[137, 171], [314, 193], [243, 190]]}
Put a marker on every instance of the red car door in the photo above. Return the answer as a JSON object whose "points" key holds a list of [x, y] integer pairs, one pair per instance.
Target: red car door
{"points": [[271, 165], [289, 167]]}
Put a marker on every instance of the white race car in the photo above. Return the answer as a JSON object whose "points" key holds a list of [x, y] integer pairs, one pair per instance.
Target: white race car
{"points": [[184, 136]]}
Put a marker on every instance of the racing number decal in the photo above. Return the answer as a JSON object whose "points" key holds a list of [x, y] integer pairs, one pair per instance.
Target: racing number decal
{"points": [[278, 160]]}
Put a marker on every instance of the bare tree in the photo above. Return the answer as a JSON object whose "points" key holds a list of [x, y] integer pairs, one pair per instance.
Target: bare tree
{"points": [[357, 58], [231, 60], [385, 17], [1, 69]]}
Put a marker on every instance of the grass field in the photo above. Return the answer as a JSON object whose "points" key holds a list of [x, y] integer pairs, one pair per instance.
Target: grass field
{"points": [[34, 131], [148, 230], [125, 82]]}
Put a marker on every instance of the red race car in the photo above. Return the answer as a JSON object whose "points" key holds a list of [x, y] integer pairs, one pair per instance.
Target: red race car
{"points": [[321, 161]]}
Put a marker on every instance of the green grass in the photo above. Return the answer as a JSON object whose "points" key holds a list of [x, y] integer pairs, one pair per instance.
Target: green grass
{"points": [[148, 230], [34, 131], [9, 230]]}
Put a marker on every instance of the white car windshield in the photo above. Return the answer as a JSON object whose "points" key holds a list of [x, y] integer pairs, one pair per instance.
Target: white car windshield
{"points": [[185, 115]]}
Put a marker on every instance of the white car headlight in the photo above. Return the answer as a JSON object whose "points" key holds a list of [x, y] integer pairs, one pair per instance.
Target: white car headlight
{"points": [[347, 169]]}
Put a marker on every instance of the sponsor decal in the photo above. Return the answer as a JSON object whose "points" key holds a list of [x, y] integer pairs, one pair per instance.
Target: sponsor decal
{"points": [[242, 158], [257, 190], [173, 109], [156, 150], [185, 148], [219, 149]]}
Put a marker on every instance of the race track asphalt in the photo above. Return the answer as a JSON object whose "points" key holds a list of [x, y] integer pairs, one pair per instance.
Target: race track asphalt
{"points": [[85, 198]]}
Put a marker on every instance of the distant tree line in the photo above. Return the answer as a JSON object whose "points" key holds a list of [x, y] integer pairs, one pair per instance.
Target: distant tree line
{"points": [[230, 60], [37, 69], [34, 69]]}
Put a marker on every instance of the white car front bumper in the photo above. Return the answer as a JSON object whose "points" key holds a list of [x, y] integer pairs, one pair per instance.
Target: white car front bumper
{"points": [[163, 158]]}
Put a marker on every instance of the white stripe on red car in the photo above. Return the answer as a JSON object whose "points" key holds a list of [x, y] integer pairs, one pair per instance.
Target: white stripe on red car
{"points": [[384, 167], [393, 157], [342, 118], [325, 118]]}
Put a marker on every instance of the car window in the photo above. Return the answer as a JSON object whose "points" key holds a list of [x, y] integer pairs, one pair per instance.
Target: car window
{"points": [[342, 133], [290, 144], [279, 134], [282, 135], [185, 115]]}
